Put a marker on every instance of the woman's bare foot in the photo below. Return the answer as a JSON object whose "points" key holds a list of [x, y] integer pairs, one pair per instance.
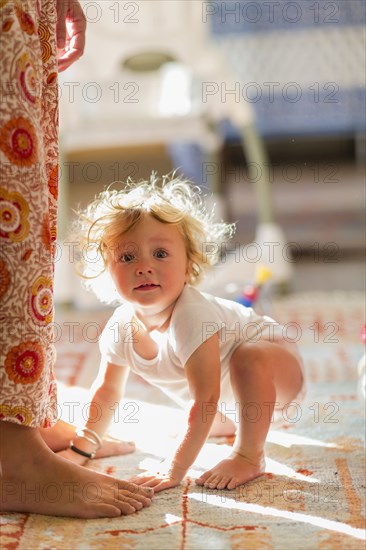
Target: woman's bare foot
{"points": [[58, 438], [232, 472], [34, 479]]}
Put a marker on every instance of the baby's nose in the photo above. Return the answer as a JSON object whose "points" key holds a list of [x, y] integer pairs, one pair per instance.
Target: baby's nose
{"points": [[143, 267]]}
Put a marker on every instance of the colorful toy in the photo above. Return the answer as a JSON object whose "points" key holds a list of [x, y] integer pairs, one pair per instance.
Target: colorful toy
{"points": [[251, 292]]}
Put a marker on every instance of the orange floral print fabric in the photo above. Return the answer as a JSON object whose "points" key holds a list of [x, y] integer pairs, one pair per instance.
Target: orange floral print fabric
{"points": [[28, 209]]}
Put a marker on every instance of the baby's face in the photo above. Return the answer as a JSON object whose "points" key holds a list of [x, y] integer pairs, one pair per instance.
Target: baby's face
{"points": [[149, 266]]}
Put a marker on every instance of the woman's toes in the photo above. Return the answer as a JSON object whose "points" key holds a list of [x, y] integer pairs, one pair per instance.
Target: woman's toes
{"points": [[108, 511], [135, 504], [133, 498], [147, 491], [126, 508], [143, 501]]}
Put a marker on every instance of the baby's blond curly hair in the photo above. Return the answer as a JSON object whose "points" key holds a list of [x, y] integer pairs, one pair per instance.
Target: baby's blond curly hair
{"points": [[113, 213]]}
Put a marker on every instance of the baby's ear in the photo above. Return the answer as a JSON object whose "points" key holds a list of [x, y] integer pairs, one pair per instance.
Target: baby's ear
{"points": [[188, 270]]}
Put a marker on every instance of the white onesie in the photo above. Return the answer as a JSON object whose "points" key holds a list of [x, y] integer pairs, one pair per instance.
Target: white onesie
{"points": [[196, 317]]}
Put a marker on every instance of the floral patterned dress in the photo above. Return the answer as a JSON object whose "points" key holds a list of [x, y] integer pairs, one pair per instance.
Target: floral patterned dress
{"points": [[28, 209]]}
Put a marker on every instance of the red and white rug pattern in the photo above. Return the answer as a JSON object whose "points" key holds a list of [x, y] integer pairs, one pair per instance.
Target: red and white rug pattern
{"points": [[313, 493]]}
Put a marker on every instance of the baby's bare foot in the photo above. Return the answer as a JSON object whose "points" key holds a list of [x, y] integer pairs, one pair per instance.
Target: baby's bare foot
{"points": [[59, 436], [232, 472], [115, 447], [110, 447]]}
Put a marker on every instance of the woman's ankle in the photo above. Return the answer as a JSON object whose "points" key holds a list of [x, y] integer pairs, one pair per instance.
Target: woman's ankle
{"points": [[16, 441]]}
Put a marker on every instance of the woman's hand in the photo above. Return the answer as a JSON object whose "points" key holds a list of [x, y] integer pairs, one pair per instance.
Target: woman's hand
{"points": [[70, 32]]}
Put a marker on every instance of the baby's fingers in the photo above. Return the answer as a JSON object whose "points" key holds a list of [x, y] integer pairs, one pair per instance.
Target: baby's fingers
{"points": [[165, 484], [141, 479], [157, 483]]}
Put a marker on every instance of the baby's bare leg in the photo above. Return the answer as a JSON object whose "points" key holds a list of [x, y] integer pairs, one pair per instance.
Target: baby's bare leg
{"points": [[222, 426], [261, 374], [34, 479]]}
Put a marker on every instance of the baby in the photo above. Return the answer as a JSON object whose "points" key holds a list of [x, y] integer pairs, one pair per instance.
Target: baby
{"points": [[211, 354]]}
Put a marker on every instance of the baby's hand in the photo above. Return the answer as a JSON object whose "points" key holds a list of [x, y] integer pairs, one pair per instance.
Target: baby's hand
{"points": [[157, 481], [165, 477]]}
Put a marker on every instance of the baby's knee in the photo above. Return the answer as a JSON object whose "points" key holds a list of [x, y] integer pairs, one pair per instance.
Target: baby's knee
{"points": [[250, 358]]}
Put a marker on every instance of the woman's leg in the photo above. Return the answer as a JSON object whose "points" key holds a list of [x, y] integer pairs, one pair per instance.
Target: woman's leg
{"points": [[33, 478]]}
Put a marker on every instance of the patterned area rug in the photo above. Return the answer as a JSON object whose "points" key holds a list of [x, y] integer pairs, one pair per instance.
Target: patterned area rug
{"points": [[313, 493]]}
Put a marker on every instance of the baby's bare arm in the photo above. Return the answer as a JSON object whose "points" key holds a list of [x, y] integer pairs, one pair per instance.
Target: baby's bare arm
{"points": [[203, 374]]}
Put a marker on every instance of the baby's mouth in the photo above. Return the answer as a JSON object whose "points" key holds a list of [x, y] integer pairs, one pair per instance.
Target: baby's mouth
{"points": [[146, 286]]}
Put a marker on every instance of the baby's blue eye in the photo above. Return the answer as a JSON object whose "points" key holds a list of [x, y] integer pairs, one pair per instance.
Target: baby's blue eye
{"points": [[126, 258], [160, 253]]}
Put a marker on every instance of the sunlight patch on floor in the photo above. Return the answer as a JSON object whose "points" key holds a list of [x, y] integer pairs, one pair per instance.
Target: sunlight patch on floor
{"points": [[288, 440], [170, 519], [212, 453], [275, 467], [317, 521]]}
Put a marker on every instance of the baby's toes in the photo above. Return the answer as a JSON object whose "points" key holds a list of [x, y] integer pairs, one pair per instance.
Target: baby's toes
{"points": [[233, 483], [202, 479], [223, 482], [211, 482]]}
